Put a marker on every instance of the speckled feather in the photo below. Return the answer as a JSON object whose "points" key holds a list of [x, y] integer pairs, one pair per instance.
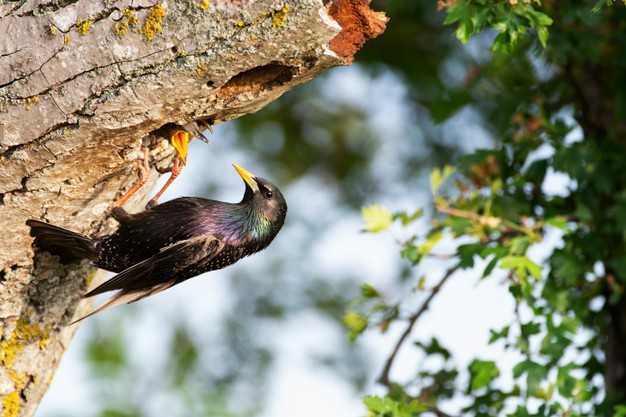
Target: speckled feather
{"points": [[172, 242]]}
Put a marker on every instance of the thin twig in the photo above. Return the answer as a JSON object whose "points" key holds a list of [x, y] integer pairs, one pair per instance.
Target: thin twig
{"points": [[384, 377], [483, 220]]}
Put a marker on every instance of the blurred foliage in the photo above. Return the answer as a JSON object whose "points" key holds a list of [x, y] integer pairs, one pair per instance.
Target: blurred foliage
{"points": [[543, 83], [553, 110]]}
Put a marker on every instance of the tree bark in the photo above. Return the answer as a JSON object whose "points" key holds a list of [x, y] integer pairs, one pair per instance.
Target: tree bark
{"points": [[83, 85]]}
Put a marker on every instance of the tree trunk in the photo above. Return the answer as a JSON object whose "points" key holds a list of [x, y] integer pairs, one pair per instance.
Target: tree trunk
{"points": [[83, 84]]}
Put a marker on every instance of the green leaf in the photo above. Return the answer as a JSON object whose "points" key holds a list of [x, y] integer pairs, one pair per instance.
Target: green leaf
{"points": [[535, 374], [375, 404], [356, 323], [490, 266], [502, 334], [458, 225], [377, 218], [368, 291], [457, 11], [388, 407], [466, 254], [543, 34], [406, 218], [530, 329], [438, 177], [434, 348], [560, 222], [620, 411], [411, 253], [600, 4], [483, 372], [539, 19], [570, 386], [518, 245], [522, 266]]}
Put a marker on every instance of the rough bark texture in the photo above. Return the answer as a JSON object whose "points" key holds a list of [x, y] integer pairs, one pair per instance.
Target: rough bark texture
{"points": [[83, 84]]}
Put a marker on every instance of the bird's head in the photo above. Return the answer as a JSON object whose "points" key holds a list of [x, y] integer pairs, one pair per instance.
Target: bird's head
{"points": [[264, 201]]}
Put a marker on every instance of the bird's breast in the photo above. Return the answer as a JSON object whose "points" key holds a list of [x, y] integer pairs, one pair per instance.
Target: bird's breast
{"points": [[227, 256]]}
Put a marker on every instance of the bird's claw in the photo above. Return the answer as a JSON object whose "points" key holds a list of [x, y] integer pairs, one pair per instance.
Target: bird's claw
{"points": [[175, 169], [143, 168]]}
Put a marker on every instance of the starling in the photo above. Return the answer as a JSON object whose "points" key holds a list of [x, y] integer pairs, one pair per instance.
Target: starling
{"points": [[165, 245]]}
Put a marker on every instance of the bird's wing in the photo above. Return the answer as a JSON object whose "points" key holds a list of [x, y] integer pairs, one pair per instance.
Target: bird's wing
{"points": [[128, 296], [162, 267], [156, 273]]}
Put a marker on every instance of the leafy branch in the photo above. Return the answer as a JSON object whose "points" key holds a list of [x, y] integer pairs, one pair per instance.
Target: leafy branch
{"points": [[384, 376]]}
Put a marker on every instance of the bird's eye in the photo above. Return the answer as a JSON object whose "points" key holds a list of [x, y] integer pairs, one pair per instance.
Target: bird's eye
{"points": [[269, 194]]}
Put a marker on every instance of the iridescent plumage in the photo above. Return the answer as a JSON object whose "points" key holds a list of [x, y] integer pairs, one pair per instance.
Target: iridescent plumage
{"points": [[163, 246]]}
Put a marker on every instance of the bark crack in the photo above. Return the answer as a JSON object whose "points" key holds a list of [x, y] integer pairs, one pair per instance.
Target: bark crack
{"points": [[50, 7], [23, 77], [10, 53]]}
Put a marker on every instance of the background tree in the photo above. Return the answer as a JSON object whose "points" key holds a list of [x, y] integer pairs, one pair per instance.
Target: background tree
{"points": [[553, 110]]}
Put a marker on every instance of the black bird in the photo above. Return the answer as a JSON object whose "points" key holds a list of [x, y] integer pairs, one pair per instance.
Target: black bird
{"points": [[165, 245]]}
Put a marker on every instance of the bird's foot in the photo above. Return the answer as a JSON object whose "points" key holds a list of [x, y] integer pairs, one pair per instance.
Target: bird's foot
{"points": [[143, 167], [208, 124], [175, 170]]}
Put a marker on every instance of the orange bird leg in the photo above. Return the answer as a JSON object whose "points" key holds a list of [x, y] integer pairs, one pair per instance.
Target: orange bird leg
{"points": [[144, 174], [175, 170], [180, 140]]}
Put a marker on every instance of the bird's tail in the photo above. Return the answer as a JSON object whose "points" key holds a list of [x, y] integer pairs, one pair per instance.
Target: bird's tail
{"points": [[61, 241]]}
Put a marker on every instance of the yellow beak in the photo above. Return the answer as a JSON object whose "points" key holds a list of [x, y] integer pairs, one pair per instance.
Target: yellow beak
{"points": [[247, 177]]}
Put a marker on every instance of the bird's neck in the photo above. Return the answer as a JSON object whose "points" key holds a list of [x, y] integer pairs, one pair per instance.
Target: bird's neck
{"points": [[248, 225]]}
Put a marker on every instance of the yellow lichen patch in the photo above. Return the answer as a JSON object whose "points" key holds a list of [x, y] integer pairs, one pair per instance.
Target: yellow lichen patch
{"points": [[240, 23], [10, 348], [66, 40], [17, 378], [83, 25], [11, 404], [121, 27], [153, 22], [53, 30], [204, 4], [200, 68], [30, 100], [128, 21], [23, 333], [279, 16]]}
